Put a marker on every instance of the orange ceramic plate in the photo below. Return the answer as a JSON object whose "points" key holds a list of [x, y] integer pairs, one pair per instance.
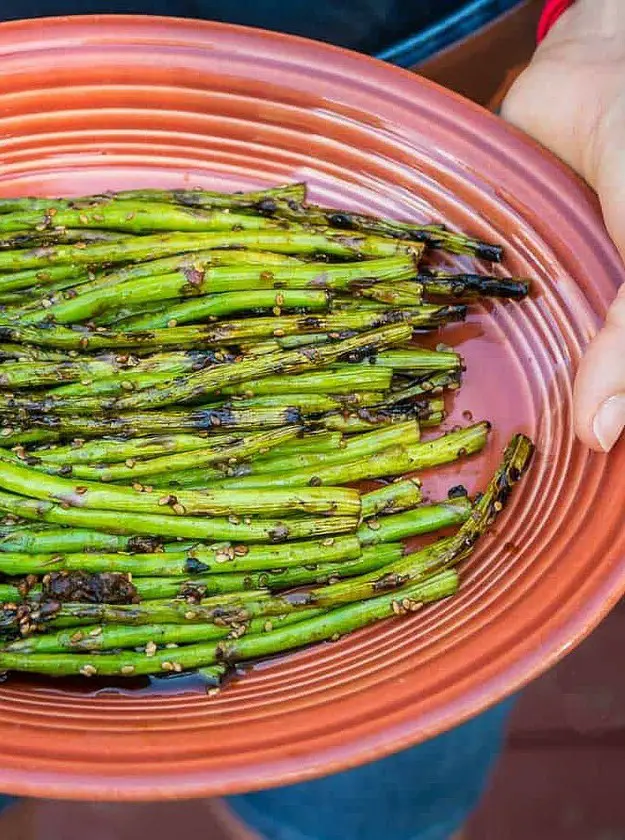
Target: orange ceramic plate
{"points": [[99, 103]]}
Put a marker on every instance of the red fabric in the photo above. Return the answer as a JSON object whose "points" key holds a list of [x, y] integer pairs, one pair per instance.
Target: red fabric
{"points": [[552, 11]]}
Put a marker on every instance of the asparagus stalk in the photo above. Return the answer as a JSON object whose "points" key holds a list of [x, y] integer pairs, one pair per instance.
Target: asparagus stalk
{"points": [[388, 462], [123, 368], [29, 238], [435, 418], [149, 422], [134, 217], [289, 362], [237, 561], [414, 360], [220, 559], [201, 419], [42, 279], [334, 243], [243, 530], [216, 292], [361, 446], [208, 307], [368, 419], [308, 277], [24, 353], [232, 332], [357, 447], [306, 405], [30, 540], [442, 554], [340, 380], [221, 450], [319, 382], [325, 626], [435, 236], [100, 637], [116, 450], [430, 384], [400, 494], [92, 496], [397, 294], [83, 280], [411, 523], [147, 588], [301, 360], [463, 286], [370, 560], [186, 198]]}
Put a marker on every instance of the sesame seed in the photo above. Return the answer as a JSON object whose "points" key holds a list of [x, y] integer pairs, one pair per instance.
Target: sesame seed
{"points": [[268, 627], [396, 607], [150, 649], [88, 671], [190, 615], [84, 220], [127, 670], [241, 550], [138, 487], [171, 645], [167, 666], [178, 508], [172, 323], [335, 637], [373, 524], [80, 490], [278, 333], [76, 637], [328, 542], [177, 667], [97, 631], [234, 520]]}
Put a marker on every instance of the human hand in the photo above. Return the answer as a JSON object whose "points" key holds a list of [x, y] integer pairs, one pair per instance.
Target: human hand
{"points": [[572, 99]]}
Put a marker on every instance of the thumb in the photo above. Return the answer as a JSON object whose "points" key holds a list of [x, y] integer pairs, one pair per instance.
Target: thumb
{"points": [[599, 396]]}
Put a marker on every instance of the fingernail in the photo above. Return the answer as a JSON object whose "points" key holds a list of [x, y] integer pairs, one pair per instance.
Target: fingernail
{"points": [[609, 421]]}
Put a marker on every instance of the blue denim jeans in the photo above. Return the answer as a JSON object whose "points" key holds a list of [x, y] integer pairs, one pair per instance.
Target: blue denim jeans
{"points": [[425, 793]]}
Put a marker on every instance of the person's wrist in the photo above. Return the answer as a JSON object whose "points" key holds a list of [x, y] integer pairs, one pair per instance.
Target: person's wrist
{"points": [[552, 11]]}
